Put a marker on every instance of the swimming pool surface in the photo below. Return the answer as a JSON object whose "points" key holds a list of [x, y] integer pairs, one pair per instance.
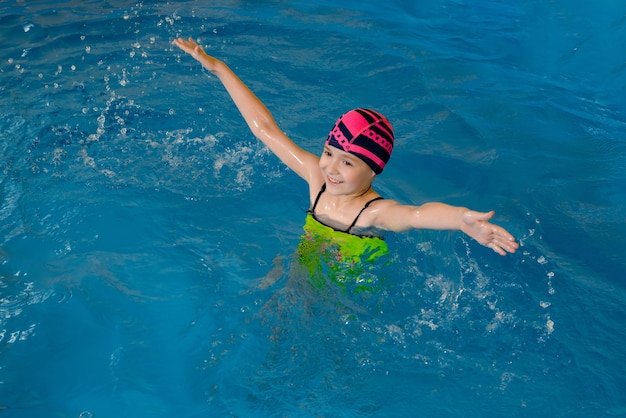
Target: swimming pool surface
{"points": [[147, 240]]}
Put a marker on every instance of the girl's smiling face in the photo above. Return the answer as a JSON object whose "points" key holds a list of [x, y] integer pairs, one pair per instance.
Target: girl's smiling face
{"points": [[344, 173]]}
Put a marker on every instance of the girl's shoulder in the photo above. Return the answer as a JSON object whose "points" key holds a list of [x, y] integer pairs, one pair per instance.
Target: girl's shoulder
{"points": [[379, 212], [316, 182], [374, 208]]}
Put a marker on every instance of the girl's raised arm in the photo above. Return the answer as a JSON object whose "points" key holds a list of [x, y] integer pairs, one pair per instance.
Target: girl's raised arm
{"points": [[259, 119]]}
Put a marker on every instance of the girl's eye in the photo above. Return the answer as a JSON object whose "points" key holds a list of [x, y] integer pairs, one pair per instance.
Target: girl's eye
{"points": [[348, 163]]}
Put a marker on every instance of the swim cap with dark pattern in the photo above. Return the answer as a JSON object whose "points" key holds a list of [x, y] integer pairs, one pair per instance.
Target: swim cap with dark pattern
{"points": [[366, 134]]}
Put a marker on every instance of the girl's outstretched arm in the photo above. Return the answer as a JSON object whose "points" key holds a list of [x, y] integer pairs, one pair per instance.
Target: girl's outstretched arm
{"points": [[259, 119], [393, 216]]}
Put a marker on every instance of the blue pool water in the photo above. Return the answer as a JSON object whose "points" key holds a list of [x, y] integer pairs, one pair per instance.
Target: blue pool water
{"points": [[147, 240]]}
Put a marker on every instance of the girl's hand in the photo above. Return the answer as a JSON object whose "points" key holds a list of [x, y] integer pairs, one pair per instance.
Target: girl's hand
{"points": [[477, 225], [192, 48]]}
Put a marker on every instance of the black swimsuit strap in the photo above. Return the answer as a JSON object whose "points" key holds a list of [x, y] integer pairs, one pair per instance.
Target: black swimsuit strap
{"points": [[312, 210], [364, 207], [317, 199]]}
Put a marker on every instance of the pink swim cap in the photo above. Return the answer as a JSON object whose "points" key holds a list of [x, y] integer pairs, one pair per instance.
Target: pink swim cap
{"points": [[365, 134]]}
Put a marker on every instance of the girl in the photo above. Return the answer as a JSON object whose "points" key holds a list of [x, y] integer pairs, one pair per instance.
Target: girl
{"points": [[344, 206]]}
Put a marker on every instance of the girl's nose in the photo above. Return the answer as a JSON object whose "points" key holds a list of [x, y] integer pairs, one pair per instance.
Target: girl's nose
{"points": [[332, 166]]}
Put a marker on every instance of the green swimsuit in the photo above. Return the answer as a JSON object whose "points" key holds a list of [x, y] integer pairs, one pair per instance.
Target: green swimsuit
{"points": [[338, 255]]}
